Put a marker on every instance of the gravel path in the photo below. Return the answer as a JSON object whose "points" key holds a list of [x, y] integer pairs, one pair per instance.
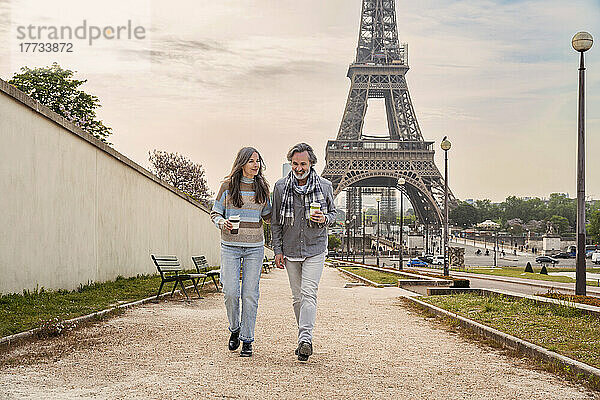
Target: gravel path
{"points": [[366, 346]]}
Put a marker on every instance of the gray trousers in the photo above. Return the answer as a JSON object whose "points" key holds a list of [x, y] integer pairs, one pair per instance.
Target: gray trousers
{"points": [[304, 279]]}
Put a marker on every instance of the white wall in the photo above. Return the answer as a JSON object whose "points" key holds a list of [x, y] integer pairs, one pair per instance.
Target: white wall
{"points": [[73, 210]]}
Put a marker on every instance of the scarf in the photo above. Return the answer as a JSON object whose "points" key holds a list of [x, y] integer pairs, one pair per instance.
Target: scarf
{"points": [[312, 193]]}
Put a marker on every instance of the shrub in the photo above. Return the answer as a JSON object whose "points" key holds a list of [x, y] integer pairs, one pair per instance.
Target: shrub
{"points": [[528, 267]]}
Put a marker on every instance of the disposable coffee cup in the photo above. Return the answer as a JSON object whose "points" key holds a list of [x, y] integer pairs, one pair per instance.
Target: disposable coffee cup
{"points": [[314, 207], [235, 221]]}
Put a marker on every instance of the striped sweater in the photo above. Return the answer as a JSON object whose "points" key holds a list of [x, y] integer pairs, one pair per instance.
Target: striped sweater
{"points": [[251, 227]]}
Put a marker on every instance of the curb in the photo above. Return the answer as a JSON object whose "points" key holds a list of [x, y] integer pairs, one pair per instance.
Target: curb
{"points": [[360, 278], [510, 341], [7, 340]]}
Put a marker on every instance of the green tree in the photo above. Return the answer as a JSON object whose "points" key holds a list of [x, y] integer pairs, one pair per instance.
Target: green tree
{"points": [[333, 242], [560, 204], [593, 228], [55, 88], [465, 215], [560, 223]]}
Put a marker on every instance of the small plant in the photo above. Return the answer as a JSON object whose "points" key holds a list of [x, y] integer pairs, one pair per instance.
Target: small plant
{"points": [[53, 327], [544, 271]]}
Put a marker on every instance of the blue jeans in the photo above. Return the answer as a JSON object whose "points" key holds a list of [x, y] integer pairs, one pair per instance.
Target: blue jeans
{"points": [[249, 259]]}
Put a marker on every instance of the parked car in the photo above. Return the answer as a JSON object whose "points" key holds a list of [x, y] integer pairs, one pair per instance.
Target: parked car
{"points": [[546, 260], [415, 262], [438, 260], [563, 254], [428, 258], [596, 257]]}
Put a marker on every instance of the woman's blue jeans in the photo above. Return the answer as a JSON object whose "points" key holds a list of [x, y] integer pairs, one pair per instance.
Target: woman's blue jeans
{"points": [[249, 259]]}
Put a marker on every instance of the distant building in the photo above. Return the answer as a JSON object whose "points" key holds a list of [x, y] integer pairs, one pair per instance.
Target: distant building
{"points": [[470, 201]]}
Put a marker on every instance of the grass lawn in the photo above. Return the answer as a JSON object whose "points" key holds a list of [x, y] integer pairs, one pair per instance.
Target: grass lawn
{"points": [[559, 328], [518, 272], [21, 312], [375, 276]]}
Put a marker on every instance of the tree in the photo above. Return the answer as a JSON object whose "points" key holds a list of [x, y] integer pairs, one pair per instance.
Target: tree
{"points": [[55, 88], [333, 242], [181, 173], [560, 223], [593, 228], [464, 215], [560, 204]]}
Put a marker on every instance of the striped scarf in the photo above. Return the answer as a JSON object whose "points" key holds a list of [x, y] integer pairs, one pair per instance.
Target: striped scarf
{"points": [[313, 193]]}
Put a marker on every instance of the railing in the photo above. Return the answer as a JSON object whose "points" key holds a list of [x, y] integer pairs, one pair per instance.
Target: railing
{"points": [[383, 144]]}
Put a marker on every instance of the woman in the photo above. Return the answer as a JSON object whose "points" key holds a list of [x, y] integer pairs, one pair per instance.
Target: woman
{"points": [[245, 195]]}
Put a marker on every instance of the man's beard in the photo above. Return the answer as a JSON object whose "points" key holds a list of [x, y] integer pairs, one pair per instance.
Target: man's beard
{"points": [[303, 176]]}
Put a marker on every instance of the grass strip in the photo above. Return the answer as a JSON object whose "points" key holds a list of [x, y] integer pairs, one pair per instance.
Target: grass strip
{"points": [[556, 327], [33, 309], [385, 278], [518, 272]]}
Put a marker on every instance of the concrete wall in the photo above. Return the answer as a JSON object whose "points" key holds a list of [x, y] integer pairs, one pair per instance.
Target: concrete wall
{"points": [[73, 210]]}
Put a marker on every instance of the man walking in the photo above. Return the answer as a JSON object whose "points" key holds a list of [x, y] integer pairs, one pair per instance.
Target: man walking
{"points": [[302, 209]]}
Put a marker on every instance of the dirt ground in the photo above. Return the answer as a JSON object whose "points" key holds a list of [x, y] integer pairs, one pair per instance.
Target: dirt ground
{"points": [[366, 346]]}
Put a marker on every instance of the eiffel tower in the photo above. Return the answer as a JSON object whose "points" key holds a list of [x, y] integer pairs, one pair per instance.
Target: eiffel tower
{"points": [[359, 163]]}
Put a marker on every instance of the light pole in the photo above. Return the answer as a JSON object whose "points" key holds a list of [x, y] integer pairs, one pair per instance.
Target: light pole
{"points": [[348, 240], [446, 146], [582, 42], [401, 183], [377, 249], [363, 238], [354, 238]]}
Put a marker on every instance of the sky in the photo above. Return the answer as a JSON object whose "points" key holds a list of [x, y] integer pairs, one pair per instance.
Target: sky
{"points": [[498, 77]]}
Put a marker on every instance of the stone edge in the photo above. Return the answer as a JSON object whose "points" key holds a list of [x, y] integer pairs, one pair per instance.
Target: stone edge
{"points": [[511, 341], [39, 108]]}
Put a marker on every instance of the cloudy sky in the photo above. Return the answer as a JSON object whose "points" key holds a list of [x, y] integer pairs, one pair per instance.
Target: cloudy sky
{"points": [[499, 77]]}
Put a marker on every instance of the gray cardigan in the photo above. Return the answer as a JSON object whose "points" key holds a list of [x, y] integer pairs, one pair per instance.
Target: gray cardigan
{"points": [[300, 240]]}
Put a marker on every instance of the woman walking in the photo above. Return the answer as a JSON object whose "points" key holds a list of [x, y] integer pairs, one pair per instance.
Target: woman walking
{"points": [[241, 203]]}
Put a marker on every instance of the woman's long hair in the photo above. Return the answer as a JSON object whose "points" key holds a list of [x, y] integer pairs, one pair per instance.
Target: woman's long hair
{"points": [[261, 187]]}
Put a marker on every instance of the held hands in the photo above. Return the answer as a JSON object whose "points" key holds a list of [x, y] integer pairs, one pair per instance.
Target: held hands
{"points": [[279, 261], [318, 217]]}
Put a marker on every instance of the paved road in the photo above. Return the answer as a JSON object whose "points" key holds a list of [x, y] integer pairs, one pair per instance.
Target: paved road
{"points": [[367, 346]]}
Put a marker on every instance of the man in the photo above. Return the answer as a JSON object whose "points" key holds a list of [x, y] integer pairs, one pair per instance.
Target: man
{"points": [[300, 237]]}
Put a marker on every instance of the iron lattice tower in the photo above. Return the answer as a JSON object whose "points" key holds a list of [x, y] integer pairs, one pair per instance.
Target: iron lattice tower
{"points": [[356, 160]]}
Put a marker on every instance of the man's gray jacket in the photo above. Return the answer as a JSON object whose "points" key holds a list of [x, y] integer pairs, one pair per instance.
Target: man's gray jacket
{"points": [[300, 240]]}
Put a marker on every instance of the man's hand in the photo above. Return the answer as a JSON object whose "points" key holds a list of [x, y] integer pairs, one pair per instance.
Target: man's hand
{"points": [[318, 217], [279, 261]]}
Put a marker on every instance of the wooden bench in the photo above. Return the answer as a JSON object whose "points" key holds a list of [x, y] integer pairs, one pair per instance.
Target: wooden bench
{"points": [[202, 267], [171, 271]]}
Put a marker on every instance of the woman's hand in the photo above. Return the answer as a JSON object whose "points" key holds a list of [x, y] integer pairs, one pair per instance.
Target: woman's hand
{"points": [[226, 225], [318, 217]]}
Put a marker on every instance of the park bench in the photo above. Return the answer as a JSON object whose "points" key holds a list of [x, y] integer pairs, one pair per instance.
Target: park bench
{"points": [[171, 271], [203, 268]]}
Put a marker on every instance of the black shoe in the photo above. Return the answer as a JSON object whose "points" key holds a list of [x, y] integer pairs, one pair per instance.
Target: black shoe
{"points": [[234, 340], [246, 350], [304, 350]]}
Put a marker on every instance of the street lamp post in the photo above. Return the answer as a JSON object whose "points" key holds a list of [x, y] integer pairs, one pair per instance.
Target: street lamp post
{"points": [[401, 183], [377, 249], [348, 240], [582, 42], [363, 238], [446, 146], [354, 238]]}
